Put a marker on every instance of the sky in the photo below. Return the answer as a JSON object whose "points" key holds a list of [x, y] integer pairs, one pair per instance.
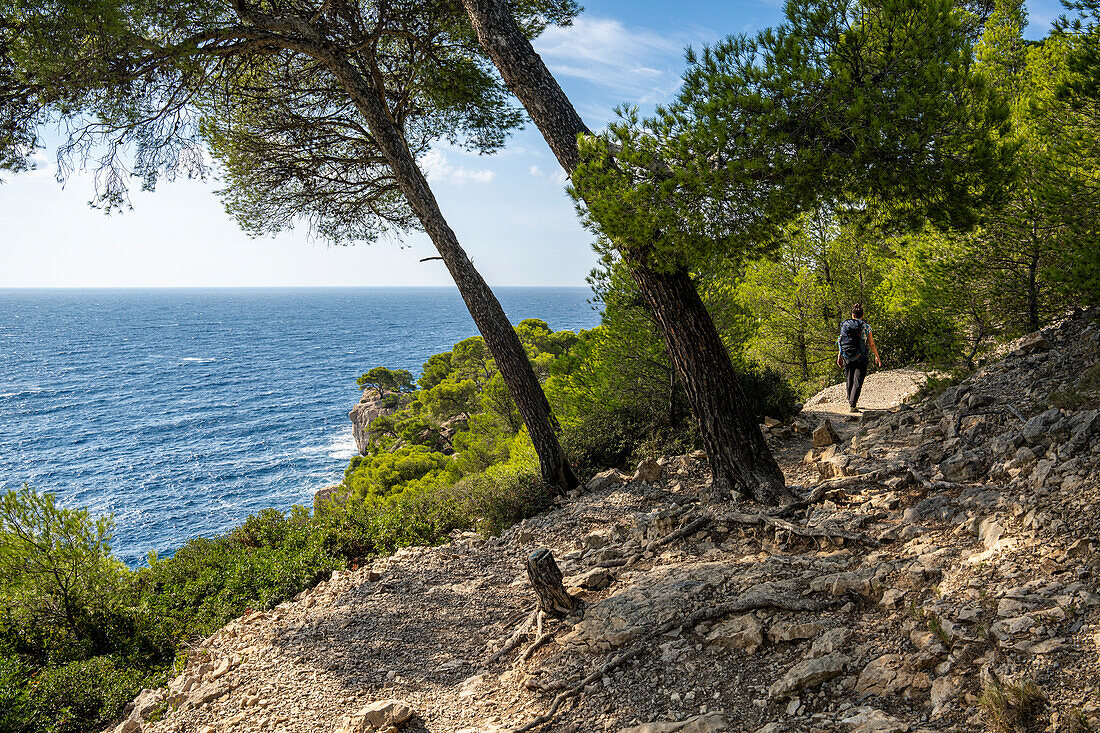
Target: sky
{"points": [[510, 210]]}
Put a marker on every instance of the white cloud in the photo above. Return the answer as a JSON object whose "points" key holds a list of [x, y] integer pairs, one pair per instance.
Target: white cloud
{"points": [[639, 64], [557, 176], [439, 169]]}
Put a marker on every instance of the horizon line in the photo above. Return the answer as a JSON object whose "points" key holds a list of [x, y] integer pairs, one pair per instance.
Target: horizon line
{"points": [[9, 288]]}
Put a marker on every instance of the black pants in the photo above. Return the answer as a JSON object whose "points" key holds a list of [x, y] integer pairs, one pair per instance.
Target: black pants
{"points": [[855, 371]]}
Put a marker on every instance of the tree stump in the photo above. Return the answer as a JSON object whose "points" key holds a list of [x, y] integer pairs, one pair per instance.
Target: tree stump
{"points": [[546, 580]]}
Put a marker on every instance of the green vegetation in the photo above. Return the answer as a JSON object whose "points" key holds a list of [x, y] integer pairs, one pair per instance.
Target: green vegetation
{"points": [[846, 156]]}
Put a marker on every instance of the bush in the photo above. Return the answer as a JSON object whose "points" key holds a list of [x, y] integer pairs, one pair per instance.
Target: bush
{"points": [[769, 392], [83, 696], [919, 337], [15, 705], [270, 558]]}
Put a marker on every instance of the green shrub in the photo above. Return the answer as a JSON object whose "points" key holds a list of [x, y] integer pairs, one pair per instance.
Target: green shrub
{"points": [[83, 696], [769, 392], [919, 336], [16, 712], [267, 560]]}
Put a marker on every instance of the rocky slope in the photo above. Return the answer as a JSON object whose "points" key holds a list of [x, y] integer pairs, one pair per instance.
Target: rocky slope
{"points": [[949, 558]]}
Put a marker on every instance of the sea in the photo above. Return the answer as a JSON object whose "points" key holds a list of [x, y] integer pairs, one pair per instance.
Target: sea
{"points": [[180, 412]]}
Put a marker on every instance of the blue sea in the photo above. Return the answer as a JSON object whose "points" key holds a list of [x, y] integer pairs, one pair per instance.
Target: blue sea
{"points": [[181, 412]]}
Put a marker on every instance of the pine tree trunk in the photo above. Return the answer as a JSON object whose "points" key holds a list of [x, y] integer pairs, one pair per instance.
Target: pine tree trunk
{"points": [[500, 337], [739, 458]]}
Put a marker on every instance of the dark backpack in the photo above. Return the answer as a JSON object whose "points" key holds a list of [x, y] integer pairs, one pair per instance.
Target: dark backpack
{"points": [[851, 339]]}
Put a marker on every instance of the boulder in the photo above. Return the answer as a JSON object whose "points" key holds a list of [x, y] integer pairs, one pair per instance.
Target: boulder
{"points": [[944, 690], [744, 633], [831, 641], [378, 716], [204, 694], [606, 479], [808, 673], [886, 675], [825, 434], [594, 579], [1032, 344], [648, 470], [963, 466]]}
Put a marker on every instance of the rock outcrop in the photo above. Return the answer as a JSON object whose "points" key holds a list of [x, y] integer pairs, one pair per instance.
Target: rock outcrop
{"points": [[369, 407]]}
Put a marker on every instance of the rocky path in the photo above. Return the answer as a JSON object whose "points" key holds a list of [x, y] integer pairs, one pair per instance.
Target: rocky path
{"points": [[950, 560]]}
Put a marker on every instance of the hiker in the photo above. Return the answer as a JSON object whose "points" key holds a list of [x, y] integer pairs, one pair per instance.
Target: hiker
{"points": [[855, 339]]}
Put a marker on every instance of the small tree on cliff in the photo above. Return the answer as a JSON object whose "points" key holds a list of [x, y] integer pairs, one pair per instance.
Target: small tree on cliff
{"points": [[842, 100], [383, 380], [316, 110]]}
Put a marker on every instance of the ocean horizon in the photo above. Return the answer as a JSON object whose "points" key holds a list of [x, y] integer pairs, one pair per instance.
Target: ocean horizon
{"points": [[183, 410]]}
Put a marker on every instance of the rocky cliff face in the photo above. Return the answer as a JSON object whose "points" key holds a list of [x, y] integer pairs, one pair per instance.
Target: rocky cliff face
{"points": [[945, 578], [368, 408]]}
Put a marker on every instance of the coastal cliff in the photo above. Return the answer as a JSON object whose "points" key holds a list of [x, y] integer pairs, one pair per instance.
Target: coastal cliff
{"points": [[369, 407], [943, 578]]}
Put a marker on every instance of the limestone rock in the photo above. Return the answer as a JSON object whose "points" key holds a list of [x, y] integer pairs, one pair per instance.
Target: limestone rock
{"points": [[964, 466], [744, 633], [825, 434], [650, 599], [944, 690], [204, 694], [378, 716], [808, 673], [886, 675], [367, 409], [606, 479], [594, 579], [130, 725], [870, 720], [831, 641], [699, 724], [648, 470], [783, 631], [1032, 344]]}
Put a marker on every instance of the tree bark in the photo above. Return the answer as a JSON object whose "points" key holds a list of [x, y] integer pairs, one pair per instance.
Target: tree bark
{"points": [[500, 337], [739, 458], [546, 579]]}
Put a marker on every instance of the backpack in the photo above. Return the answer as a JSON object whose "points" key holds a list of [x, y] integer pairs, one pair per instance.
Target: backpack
{"points": [[851, 340]]}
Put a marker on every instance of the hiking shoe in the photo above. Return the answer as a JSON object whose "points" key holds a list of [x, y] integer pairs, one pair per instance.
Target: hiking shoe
{"points": [[853, 409]]}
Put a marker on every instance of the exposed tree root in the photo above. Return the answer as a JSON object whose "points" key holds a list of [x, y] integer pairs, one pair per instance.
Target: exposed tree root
{"points": [[765, 596], [831, 533], [690, 528], [516, 638]]}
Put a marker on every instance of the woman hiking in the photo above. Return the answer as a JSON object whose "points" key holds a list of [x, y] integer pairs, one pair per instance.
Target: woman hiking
{"points": [[855, 339]]}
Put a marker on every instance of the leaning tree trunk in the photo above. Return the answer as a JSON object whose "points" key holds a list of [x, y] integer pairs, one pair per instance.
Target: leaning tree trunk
{"points": [[739, 458], [488, 315]]}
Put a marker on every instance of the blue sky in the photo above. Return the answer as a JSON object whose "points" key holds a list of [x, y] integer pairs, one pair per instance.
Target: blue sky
{"points": [[510, 210]]}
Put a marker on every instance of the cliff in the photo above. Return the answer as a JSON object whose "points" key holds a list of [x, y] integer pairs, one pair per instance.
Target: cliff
{"points": [[943, 579], [369, 407]]}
